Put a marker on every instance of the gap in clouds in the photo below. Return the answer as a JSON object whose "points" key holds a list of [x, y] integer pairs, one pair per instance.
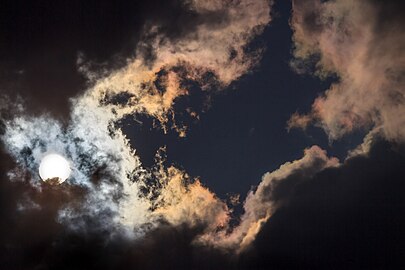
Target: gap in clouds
{"points": [[184, 223], [242, 133]]}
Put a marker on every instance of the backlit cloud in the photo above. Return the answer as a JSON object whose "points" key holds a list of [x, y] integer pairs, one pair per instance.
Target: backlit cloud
{"points": [[118, 194]]}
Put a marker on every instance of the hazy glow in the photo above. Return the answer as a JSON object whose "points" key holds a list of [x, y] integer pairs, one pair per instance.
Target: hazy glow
{"points": [[54, 166]]}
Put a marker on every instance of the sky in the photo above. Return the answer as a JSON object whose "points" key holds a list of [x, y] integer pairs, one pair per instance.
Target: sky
{"points": [[214, 134]]}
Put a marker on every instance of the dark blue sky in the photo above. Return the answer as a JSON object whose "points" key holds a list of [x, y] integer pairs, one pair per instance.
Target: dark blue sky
{"points": [[243, 134]]}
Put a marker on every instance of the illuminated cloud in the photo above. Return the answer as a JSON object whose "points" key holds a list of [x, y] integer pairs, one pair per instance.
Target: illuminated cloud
{"points": [[214, 51], [118, 196], [104, 165], [274, 191], [361, 42], [129, 213], [122, 196], [181, 202]]}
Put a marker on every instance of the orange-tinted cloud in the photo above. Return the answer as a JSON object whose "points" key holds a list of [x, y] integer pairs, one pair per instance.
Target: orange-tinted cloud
{"points": [[104, 162], [216, 48]]}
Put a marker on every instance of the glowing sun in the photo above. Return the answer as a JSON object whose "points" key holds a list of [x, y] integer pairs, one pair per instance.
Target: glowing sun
{"points": [[54, 167]]}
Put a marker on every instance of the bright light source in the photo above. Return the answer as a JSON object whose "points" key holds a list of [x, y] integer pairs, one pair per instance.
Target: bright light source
{"points": [[54, 167]]}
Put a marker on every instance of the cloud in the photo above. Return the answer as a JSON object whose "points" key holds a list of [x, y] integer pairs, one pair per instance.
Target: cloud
{"points": [[273, 192], [43, 41], [213, 54], [117, 196], [114, 213], [361, 42], [181, 202], [350, 217], [104, 166]]}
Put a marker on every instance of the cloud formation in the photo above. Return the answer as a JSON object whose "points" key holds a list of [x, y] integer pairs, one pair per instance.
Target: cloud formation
{"points": [[118, 194], [273, 192], [357, 206], [214, 53], [113, 206], [350, 216], [360, 42]]}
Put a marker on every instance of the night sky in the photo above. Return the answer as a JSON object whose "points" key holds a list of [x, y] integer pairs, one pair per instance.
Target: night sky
{"points": [[214, 134]]}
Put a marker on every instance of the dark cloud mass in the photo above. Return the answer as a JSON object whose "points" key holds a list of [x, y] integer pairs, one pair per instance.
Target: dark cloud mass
{"points": [[349, 217], [87, 70]]}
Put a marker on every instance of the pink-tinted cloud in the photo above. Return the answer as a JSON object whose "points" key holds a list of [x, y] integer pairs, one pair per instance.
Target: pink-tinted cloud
{"points": [[350, 39]]}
